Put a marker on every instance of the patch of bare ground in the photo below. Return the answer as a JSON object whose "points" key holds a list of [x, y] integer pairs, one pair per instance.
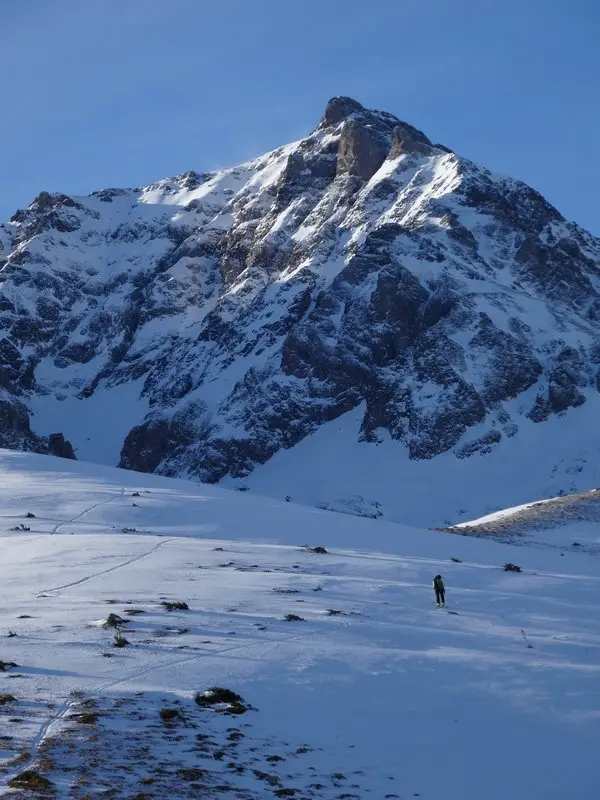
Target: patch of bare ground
{"points": [[175, 747], [555, 513]]}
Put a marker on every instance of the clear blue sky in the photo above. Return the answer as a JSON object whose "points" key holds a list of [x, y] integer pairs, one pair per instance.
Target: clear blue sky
{"points": [[98, 93]]}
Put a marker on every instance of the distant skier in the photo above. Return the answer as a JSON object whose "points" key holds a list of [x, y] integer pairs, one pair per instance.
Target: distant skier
{"points": [[440, 591]]}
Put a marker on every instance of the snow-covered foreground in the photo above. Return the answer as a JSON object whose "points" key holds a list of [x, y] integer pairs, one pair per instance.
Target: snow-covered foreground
{"points": [[373, 693]]}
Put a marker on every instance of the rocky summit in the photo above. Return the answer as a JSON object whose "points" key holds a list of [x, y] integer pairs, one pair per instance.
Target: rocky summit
{"points": [[202, 326]]}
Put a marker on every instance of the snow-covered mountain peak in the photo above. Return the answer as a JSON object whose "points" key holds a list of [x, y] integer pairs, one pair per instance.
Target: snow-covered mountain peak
{"points": [[206, 323]]}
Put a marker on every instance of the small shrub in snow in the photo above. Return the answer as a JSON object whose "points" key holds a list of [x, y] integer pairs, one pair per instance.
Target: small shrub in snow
{"points": [[120, 641], [135, 494], [7, 698], [87, 718], [175, 605], [29, 515], [508, 567], [4, 665], [129, 530], [21, 527], [11, 634], [191, 774], [456, 560], [293, 618], [218, 696], [169, 714], [30, 779], [272, 780], [318, 549], [113, 621]]}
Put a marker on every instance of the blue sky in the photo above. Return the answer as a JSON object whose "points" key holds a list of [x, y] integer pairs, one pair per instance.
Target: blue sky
{"points": [[98, 93]]}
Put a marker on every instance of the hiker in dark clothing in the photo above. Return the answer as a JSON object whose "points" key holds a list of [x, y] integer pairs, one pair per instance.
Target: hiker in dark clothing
{"points": [[440, 591]]}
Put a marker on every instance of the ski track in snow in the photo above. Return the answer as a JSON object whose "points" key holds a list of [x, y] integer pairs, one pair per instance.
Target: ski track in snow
{"points": [[87, 511], [87, 578]]}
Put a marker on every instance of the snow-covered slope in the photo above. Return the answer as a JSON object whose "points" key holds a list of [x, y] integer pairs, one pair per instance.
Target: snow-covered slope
{"points": [[334, 469], [361, 280], [375, 693]]}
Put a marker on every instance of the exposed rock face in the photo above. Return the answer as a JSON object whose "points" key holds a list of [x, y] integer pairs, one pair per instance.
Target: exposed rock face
{"points": [[362, 150], [59, 446], [15, 432], [407, 140], [239, 311]]}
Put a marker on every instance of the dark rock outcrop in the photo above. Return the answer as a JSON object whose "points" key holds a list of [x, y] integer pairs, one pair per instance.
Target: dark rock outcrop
{"points": [[59, 446], [15, 429]]}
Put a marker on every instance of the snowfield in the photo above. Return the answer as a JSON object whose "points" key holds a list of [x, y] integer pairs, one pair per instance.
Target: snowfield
{"points": [[372, 693], [332, 468]]}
